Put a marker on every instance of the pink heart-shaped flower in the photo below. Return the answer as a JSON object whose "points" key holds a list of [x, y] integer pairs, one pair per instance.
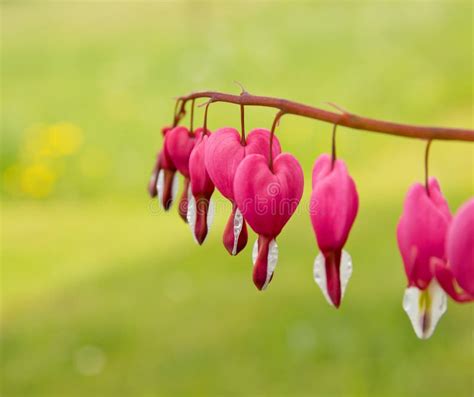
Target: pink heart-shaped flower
{"points": [[179, 142], [333, 208], [200, 207], [267, 199], [163, 180], [421, 231], [456, 276], [421, 235], [224, 152]]}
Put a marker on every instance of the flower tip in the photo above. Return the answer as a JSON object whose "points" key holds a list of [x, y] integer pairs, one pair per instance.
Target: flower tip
{"points": [[336, 301], [332, 272], [200, 238], [265, 258], [235, 233], [259, 283], [167, 205], [424, 308]]}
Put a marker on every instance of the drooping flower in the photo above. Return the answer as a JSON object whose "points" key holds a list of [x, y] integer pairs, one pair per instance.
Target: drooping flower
{"points": [[163, 181], [267, 198], [224, 152], [421, 235], [333, 209], [200, 207], [179, 142], [456, 276]]}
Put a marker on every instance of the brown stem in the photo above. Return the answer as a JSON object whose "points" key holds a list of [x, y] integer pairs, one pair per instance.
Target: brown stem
{"points": [[334, 129], [176, 115], [427, 155], [205, 117], [191, 118], [276, 120], [346, 119]]}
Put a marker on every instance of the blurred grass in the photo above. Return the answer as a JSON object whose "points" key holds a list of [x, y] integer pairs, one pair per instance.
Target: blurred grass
{"points": [[104, 295]]}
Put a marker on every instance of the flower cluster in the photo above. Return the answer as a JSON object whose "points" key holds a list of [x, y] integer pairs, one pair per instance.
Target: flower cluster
{"points": [[265, 187], [438, 254]]}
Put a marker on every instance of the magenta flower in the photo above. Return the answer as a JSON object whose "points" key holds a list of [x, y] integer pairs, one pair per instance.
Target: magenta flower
{"points": [[179, 142], [456, 276], [333, 209], [200, 207], [267, 198], [164, 181], [421, 235], [224, 152]]}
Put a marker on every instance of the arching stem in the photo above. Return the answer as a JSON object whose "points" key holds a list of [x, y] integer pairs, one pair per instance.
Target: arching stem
{"points": [[205, 132], [346, 119], [276, 120], [177, 110]]}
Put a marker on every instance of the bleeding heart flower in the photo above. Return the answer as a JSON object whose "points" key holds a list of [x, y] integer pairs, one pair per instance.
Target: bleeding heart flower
{"points": [[456, 276], [200, 207], [224, 152], [164, 181], [179, 142], [267, 199], [421, 235], [333, 209]]}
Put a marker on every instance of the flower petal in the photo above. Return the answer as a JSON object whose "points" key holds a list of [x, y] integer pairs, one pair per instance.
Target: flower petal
{"points": [[265, 258], [339, 275], [425, 308], [235, 233]]}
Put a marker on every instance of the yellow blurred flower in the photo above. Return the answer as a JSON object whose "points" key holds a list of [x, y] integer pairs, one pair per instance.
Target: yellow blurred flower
{"points": [[64, 139], [38, 180], [56, 140]]}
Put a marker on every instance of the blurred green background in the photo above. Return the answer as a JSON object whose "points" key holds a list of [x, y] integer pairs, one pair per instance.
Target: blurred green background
{"points": [[103, 294]]}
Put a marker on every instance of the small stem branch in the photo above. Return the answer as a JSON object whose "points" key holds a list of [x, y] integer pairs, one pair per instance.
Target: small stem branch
{"points": [[176, 115], [191, 119], [346, 119], [276, 121], [205, 117], [334, 129], [427, 155], [242, 124]]}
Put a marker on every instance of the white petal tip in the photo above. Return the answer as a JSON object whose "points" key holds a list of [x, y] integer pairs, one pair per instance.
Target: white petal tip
{"points": [[192, 214], [345, 273], [424, 308], [160, 186], [272, 260], [238, 224]]}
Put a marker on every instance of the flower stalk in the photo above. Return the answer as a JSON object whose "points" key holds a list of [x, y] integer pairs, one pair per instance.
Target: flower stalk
{"points": [[345, 119]]}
